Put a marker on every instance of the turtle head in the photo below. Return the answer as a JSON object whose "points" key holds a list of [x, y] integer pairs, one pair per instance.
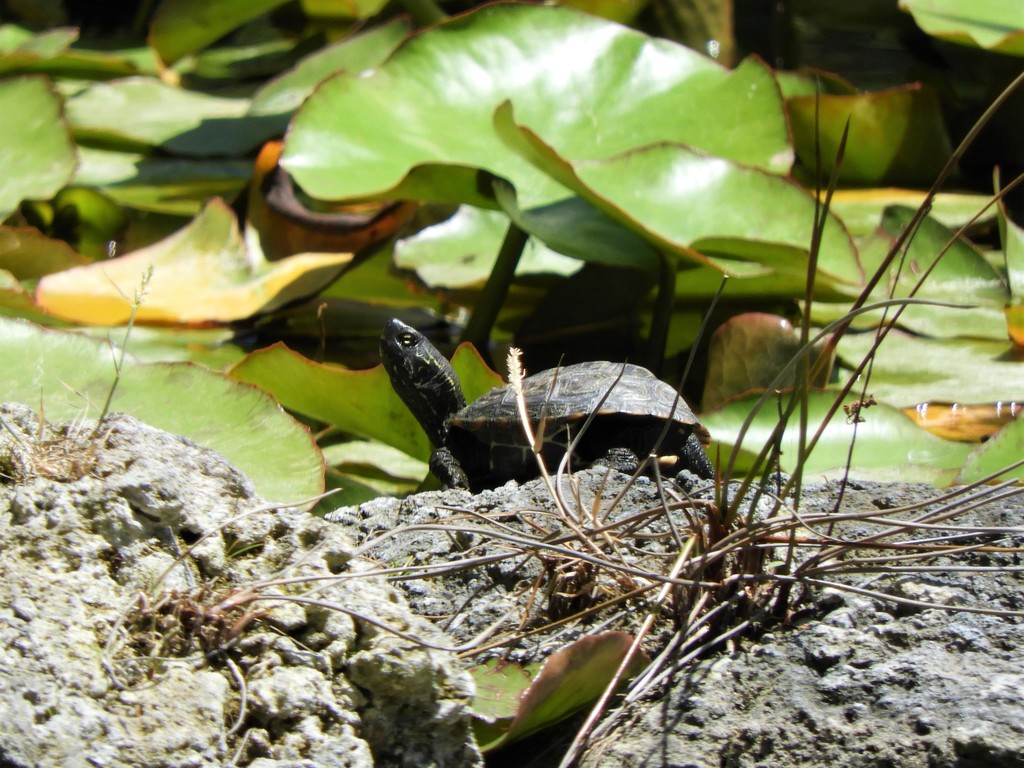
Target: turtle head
{"points": [[422, 377]]}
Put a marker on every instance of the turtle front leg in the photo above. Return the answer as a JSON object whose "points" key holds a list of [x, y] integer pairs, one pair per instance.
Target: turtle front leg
{"points": [[446, 468], [696, 459]]}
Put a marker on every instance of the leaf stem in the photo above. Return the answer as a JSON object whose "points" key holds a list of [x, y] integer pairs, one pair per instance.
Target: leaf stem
{"points": [[657, 339], [478, 329]]}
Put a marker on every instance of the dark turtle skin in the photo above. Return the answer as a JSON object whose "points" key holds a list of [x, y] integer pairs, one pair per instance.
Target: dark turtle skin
{"points": [[483, 444]]}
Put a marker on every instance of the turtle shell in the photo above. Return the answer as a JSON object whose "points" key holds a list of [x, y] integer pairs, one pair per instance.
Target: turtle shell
{"points": [[632, 407]]}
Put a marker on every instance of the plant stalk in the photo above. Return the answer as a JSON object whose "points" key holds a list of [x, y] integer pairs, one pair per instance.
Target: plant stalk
{"points": [[657, 339], [478, 329]]}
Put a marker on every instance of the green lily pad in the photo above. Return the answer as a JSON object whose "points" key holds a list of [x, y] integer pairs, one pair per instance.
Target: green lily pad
{"points": [[578, 229], [460, 252], [361, 470], [888, 447], [1004, 448], [425, 115], [272, 51], [36, 154], [511, 703], [1012, 235], [52, 42], [908, 370], [371, 453], [71, 376], [181, 27], [28, 254], [961, 276], [861, 209], [285, 93], [49, 52], [997, 25], [499, 685], [357, 402], [138, 113], [708, 210], [176, 186], [897, 136], [209, 347]]}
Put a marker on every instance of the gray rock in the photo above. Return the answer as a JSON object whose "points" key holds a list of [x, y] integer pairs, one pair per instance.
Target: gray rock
{"points": [[92, 674], [855, 682], [839, 696], [866, 683]]}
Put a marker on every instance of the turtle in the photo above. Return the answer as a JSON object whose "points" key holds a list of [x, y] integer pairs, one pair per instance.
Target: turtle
{"points": [[483, 444]]}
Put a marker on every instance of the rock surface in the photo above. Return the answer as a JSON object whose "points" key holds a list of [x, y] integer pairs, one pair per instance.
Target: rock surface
{"points": [[128, 636], [854, 681], [867, 683], [93, 674], [859, 688]]}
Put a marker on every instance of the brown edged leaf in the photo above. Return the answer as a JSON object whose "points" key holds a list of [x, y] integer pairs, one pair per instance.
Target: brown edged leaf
{"points": [[747, 352], [202, 273], [286, 227], [566, 682]]}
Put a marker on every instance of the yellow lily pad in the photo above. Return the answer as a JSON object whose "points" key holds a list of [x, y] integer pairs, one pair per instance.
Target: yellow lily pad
{"points": [[205, 272]]}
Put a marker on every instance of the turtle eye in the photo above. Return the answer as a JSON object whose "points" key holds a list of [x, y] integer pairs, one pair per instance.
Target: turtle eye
{"points": [[407, 340]]}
